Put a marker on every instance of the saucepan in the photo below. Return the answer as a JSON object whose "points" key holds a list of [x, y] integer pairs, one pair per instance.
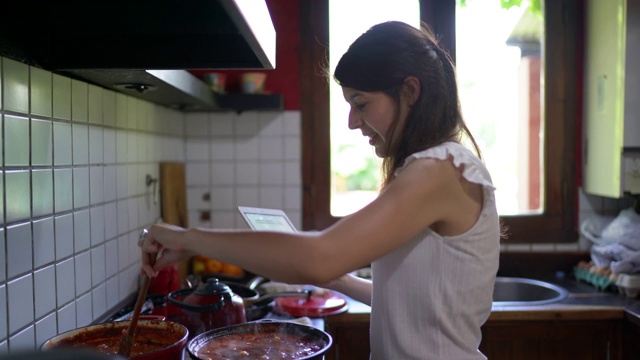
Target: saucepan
{"points": [[153, 340], [256, 304], [267, 338]]}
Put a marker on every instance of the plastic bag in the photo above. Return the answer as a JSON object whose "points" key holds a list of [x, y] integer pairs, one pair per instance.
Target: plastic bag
{"points": [[591, 228], [624, 229], [617, 245]]}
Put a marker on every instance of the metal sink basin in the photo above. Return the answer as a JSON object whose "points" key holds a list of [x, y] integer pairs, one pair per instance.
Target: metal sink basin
{"points": [[513, 291]]}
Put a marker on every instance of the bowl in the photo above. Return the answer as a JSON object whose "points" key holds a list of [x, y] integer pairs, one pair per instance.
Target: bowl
{"points": [[253, 82]]}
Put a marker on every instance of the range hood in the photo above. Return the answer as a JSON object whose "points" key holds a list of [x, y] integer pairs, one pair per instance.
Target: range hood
{"points": [[141, 47]]}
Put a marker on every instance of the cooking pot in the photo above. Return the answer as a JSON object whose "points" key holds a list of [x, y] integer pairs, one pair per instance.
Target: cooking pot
{"points": [[153, 340], [209, 306], [293, 340], [257, 305], [60, 354]]}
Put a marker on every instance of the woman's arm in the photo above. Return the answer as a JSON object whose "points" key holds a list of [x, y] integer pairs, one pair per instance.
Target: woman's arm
{"points": [[421, 196], [352, 286]]}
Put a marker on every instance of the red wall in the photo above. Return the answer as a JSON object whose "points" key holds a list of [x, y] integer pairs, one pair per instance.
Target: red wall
{"points": [[285, 79]]}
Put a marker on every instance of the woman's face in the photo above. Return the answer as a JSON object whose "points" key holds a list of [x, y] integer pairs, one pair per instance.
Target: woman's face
{"points": [[373, 113]]}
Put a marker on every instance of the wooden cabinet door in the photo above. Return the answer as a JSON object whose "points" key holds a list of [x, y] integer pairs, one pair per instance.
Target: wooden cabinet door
{"points": [[350, 341], [631, 338], [549, 340]]}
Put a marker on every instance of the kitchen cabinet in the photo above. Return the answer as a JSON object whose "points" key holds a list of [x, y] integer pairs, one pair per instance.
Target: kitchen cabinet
{"points": [[350, 333], [552, 339], [588, 326], [517, 340], [611, 90], [631, 338]]}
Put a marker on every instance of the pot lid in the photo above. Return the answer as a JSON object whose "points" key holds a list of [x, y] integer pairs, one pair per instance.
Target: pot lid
{"points": [[213, 286], [315, 305], [209, 296]]}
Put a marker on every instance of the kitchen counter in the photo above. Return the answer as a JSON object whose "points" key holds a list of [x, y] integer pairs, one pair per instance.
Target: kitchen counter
{"points": [[583, 303], [586, 324]]}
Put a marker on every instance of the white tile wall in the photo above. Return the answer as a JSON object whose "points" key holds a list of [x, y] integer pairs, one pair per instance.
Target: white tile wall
{"points": [[41, 142], [46, 328], [252, 158], [3, 270], [3, 312], [43, 242], [24, 340], [20, 303], [44, 283], [18, 250], [72, 166]]}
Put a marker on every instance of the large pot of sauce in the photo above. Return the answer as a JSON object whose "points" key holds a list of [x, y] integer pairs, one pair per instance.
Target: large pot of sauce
{"points": [[262, 339], [153, 339]]}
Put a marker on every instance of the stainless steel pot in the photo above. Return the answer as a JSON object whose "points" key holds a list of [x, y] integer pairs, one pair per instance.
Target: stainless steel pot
{"points": [[258, 305], [307, 336]]}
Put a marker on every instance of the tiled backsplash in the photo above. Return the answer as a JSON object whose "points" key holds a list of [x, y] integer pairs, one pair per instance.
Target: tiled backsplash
{"points": [[73, 197], [248, 159]]}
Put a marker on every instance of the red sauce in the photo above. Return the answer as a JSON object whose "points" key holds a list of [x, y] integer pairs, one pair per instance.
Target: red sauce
{"points": [[107, 339], [266, 345]]}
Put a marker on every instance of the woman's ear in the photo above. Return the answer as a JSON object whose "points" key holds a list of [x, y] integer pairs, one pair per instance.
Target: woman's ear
{"points": [[411, 89]]}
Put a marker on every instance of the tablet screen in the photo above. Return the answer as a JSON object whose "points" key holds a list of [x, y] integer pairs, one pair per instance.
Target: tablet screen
{"points": [[267, 219]]}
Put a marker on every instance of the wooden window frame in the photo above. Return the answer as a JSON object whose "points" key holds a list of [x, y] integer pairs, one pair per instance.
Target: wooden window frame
{"points": [[562, 59]]}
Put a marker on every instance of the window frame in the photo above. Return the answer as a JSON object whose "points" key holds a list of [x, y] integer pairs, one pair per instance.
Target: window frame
{"points": [[562, 59]]}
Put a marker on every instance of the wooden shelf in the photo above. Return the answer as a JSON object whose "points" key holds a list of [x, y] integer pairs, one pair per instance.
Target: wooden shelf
{"points": [[247, 102]]}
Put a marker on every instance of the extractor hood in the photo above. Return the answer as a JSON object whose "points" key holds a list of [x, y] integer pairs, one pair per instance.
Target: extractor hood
{"points": [[141, 47]]}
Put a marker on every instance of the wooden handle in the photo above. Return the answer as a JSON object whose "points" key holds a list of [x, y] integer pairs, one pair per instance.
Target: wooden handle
{"points": [[127, 338]]}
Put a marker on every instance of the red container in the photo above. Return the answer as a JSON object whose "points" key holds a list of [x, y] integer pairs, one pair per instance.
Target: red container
{"points": [[212, 305], [169, 339], [168, 280]]}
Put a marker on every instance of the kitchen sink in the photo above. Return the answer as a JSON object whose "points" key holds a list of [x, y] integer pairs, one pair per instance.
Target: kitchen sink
{"points": [[514, 291]]}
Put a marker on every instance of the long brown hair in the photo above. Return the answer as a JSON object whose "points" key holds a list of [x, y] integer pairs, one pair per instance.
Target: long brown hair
{"points": [[380, 60]]}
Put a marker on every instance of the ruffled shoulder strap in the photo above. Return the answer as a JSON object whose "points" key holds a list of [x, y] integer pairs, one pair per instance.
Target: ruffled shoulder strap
{"points": [[474, 170]]}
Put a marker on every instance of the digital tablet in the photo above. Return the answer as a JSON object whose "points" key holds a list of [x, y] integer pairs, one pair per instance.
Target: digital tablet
{"points": [[266, 219]]}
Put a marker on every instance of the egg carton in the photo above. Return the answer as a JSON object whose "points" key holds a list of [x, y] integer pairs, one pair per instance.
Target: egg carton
{"points": [[628, 285], [599, 281]]}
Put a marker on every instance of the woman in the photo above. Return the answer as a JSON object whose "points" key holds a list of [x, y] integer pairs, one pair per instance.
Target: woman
{"points": [[431, 236]]}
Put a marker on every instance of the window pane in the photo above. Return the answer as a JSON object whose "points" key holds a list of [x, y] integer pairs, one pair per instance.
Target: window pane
{"points": [[355, 169], [499, 68]]}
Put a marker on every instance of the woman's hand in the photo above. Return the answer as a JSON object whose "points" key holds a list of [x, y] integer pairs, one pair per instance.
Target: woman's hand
{"points": [[165, 242]]}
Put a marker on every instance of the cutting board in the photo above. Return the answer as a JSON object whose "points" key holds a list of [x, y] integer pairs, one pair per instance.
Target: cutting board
{"points": [[173, 197]]}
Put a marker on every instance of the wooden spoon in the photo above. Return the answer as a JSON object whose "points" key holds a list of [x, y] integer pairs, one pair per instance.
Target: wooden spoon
{"points": [[126, 340]]}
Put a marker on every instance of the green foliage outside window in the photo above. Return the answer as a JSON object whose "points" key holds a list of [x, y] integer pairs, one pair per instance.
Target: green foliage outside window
{"points": [[534, 5]]}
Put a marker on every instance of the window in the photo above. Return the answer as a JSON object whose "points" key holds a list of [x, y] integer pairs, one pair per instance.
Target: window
{"points": [[498, 67], [355, 168], [561, 52]]}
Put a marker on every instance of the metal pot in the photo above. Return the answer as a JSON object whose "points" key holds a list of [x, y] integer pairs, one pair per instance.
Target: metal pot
{"points": [[153, 340], [257, 305], [209, 306], [310, 337], [59, 354]]}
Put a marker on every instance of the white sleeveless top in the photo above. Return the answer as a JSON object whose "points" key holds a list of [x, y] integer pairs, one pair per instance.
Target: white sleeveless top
{"points": [[431, 295]]}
